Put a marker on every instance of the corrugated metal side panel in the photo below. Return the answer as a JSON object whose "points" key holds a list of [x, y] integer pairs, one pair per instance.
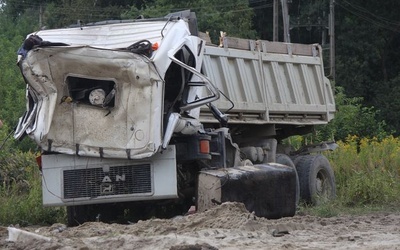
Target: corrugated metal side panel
{"points": [[270, 88], [294, 85], [237, 74]]}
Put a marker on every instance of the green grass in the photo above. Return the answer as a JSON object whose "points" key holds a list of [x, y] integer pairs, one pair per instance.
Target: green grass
{"points": [[21, 194], [337, 208], [367, 173]]}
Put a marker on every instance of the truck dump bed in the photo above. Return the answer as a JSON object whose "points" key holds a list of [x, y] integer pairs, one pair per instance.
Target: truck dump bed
{"points": [[269, 82]]}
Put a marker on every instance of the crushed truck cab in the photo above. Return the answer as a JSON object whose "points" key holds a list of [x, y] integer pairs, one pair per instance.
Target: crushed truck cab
{"points": [[116, 96], [149, 116]]}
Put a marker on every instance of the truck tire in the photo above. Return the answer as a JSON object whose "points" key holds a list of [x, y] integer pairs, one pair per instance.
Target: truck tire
{"points": [[285, 160], [317, 180]]}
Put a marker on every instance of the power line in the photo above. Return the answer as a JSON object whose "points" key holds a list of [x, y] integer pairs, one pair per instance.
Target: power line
{"points": [[359, 8], [370, 17]]}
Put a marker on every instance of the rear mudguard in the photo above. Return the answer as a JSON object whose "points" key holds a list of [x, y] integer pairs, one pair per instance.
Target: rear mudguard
{"points": [[267, 190]]}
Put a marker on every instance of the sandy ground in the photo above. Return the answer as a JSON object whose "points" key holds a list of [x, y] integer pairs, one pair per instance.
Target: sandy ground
{"points": [[228, 226]]}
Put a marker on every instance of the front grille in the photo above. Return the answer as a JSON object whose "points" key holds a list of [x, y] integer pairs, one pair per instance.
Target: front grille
{"points": [[119, 180]]}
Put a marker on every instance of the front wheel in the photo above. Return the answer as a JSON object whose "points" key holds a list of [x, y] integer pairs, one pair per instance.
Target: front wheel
{"points": [[317, 180]]}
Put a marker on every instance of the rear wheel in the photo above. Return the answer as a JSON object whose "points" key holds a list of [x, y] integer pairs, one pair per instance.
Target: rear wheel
{"points": [[285, 160], [317, 180]]}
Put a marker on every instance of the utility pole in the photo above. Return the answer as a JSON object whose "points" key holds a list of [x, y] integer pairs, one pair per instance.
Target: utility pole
{"points": [[40, 16], [276, 21], [322, 26], [285, 15], [332, 38]]}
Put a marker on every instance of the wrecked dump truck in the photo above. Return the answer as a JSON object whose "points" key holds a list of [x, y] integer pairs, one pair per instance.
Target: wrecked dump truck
{"points": [[148, 118]]}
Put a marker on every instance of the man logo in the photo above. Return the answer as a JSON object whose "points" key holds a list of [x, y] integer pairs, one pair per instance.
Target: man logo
{"points": [[118, 178], [107, 186], [106, 189]]}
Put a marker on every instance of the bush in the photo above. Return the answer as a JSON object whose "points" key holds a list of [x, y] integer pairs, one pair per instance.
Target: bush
{"points": [[21, 193], [367, 171], [352, 118]]}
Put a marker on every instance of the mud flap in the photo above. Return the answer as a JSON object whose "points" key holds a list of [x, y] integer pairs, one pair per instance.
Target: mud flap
{"points": [[267, 190]]}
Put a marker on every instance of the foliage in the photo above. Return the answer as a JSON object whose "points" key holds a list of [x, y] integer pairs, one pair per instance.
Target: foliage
{"points": [[79, 12], [21, 193], [387, 99], [20, 187], [233, 16], [367, 170], [352, 118], [368, 59], [367, 173], [12, 87]]}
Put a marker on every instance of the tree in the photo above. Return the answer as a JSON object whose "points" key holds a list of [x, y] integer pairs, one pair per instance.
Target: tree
{"points": [[12, 86], [233, 17], [352, 119], [368, 59]]}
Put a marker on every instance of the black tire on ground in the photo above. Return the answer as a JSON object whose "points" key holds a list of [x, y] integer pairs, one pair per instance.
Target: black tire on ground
{"points": [[317, 180], [285, 160]]}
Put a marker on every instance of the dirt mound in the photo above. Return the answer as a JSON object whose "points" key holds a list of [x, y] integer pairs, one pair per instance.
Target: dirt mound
{"points": [[228, 226]]}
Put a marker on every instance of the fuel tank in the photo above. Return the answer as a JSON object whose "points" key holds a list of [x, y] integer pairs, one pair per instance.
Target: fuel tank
{"points": [[268, 190]]}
